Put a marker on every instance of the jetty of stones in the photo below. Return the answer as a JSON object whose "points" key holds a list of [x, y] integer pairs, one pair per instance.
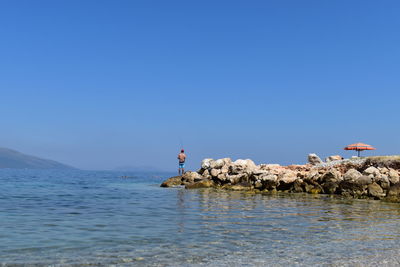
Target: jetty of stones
{"points": [[370, 177]]}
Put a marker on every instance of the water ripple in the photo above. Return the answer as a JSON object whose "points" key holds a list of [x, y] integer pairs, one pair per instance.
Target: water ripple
{"points": [[83, 218]]}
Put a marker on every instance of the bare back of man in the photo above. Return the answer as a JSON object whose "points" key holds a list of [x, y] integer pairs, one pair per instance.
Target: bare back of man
{"points": [[182, 159]]}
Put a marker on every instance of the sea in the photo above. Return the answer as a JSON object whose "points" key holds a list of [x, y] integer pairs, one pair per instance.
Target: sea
{"points": [[105, 218]]}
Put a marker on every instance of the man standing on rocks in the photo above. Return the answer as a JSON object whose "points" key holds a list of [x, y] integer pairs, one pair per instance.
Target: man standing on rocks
{"points": [[181, 158]]}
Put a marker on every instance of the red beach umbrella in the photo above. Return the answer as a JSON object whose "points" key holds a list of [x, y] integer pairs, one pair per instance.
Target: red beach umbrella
{"points": [[359, 147]]}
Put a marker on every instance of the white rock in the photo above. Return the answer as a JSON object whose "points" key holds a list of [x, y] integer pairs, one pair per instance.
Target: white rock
{"points": [[217, 164], [288, 177], [191, 176], [215, 172], [205, 163], [371, 171]]}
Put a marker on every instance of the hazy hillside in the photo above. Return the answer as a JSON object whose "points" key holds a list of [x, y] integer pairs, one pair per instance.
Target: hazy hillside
{"points": [[16, 160]]}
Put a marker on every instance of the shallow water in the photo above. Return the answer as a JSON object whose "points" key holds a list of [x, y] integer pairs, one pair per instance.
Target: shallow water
{"points": [[63, 218]]}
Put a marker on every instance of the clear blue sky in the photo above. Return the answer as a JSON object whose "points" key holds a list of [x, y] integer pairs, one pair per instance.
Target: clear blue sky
{"points": [[100, 84]]}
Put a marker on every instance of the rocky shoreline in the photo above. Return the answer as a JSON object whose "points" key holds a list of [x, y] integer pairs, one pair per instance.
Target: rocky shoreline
{"points": [[370, 177]]}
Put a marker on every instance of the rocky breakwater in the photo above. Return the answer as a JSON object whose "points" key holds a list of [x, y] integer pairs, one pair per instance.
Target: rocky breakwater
{"points": [[373, 177]]}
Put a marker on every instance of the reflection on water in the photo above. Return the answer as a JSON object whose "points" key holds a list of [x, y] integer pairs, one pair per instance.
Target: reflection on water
{"points": [[95, 218]]}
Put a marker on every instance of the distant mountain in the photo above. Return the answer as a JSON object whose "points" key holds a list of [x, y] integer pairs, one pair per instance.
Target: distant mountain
{"points": [[13, 159]]}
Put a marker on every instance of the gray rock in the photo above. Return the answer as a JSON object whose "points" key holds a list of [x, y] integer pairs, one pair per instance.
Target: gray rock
{"points": [[382, 180], [351, 175], [371, 171], [313, 159], [330, 187], [354, 187], [241, 165], [363, 180], [393, 194], [374, 190], [331, 176], [393, 176]]}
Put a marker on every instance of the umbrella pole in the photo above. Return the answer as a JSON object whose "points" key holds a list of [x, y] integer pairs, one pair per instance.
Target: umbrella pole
{"points": [[358, 153]]}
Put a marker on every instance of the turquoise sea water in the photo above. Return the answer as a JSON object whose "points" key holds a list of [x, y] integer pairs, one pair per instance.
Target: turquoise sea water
{"points": [[84, 218]]}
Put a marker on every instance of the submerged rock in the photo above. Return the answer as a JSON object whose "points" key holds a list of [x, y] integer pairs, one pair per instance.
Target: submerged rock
{"points": [[205, 183], [173, 181], [244, 186]]}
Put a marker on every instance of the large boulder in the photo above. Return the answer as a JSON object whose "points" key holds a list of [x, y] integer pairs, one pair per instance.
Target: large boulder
{"points": [[215, 172], [190, 177], [269, 181], [242, 165], [313, 175], [313, 159], [173, 181], [382, 180], [371, 171], [331, 176], [393, 176], [374, 190], [218, 164], [330, 181], [287, 177], [286, 180], [206, 163], [351, 175]]}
